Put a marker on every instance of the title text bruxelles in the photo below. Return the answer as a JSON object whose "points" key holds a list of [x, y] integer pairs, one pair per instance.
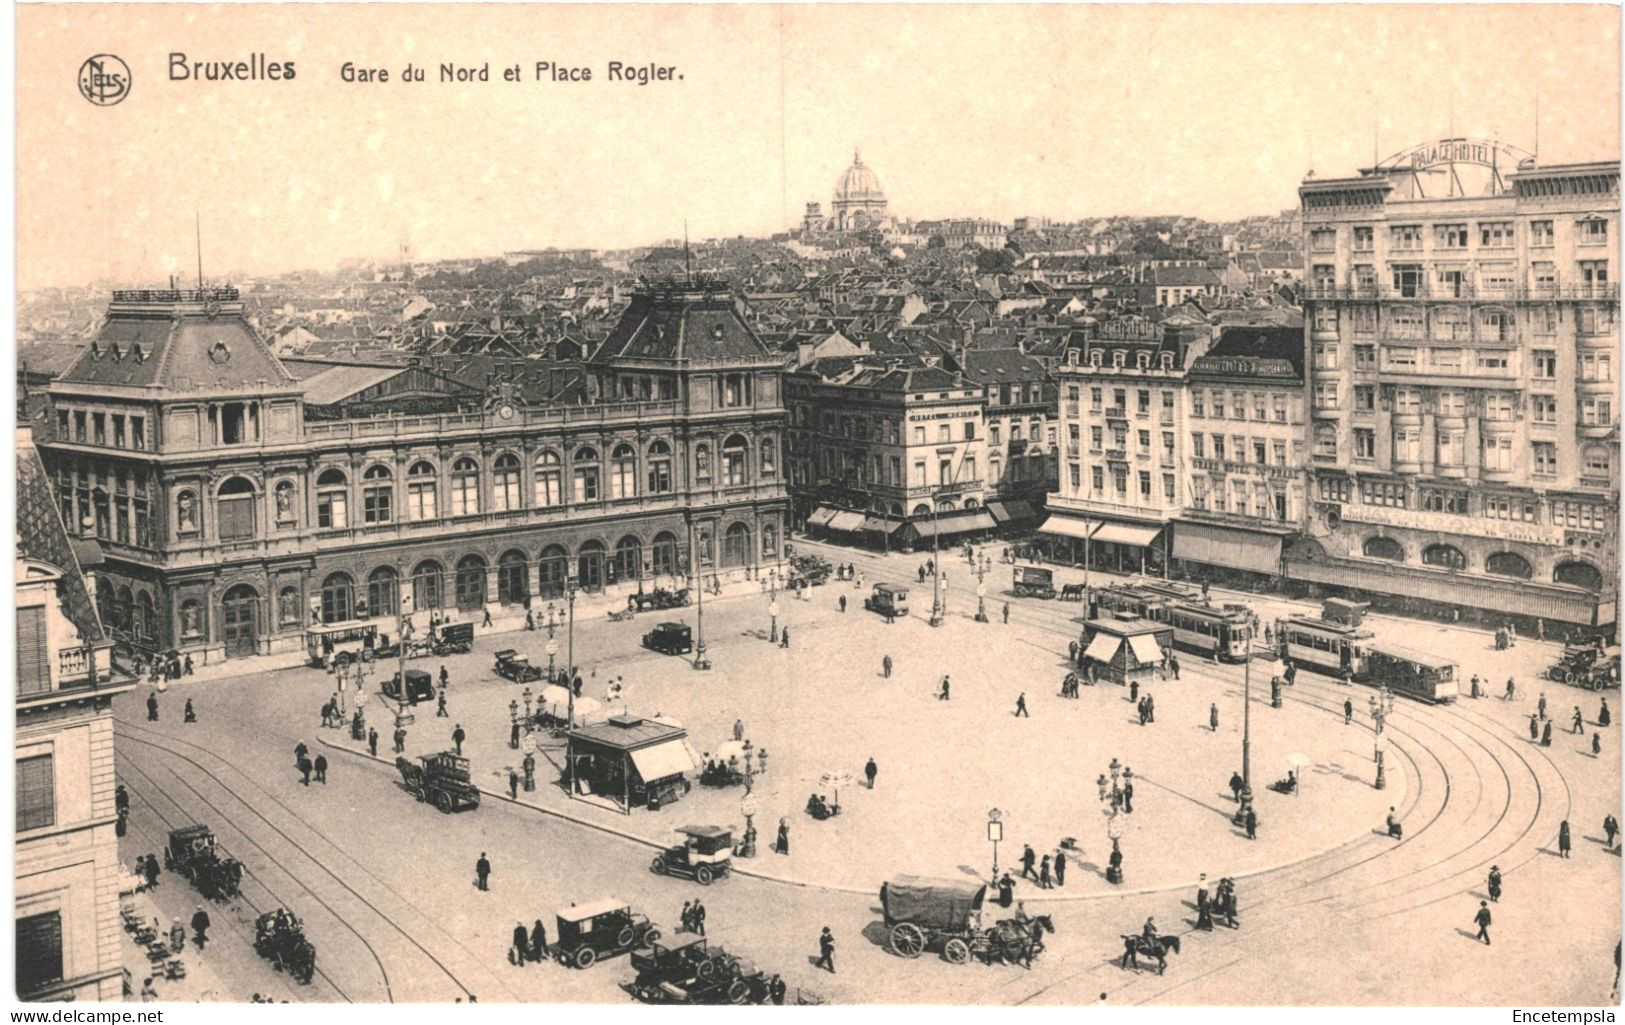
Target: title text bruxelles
{"points": [[257, 68]]}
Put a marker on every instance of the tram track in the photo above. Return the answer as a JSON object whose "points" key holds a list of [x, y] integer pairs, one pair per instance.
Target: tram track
{"points": [[346, 891]]}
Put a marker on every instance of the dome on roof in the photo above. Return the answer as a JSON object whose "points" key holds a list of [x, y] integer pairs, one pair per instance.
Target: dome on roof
{"points": [[858, 184]]}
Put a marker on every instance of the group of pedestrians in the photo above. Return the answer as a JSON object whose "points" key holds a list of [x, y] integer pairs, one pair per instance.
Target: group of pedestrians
{"points": [[531, 946], [1046, 874], [1221, 902], [692, 918], [1147, 707], [306, 765]]}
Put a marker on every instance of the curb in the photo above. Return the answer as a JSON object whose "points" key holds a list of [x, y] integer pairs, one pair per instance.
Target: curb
{"points": [[740, 869]]}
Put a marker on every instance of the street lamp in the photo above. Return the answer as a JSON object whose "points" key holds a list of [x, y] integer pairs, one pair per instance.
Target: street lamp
{"points": [[513, 722], [570, 650], [748, 808], [552, 644], [1245, 804], [527, 704], [981, 593], [1381, 746], [773, 605], [995, 833], [700, 661]]}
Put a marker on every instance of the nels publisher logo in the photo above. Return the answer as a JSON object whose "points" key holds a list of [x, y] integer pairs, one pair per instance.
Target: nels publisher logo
{"points": [[104, 80]]}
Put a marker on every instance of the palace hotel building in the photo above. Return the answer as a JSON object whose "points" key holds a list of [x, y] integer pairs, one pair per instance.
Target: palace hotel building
{"points": [[1462, 359]]}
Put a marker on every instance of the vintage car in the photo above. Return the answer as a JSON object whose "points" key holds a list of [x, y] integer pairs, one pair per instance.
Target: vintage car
{"points": [[599, 929], [419, 687], [192, 852], [670, 639], [511, 665], [454, 639], [689, 972], [810, 569], [705, 854], [659, 598], [887, 600]]}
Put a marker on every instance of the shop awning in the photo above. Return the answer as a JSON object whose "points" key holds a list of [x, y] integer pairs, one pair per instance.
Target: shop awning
{"points": [[1005, 512], [1103, 647], [1069, 526], [1227, 546], [959, 524], [1127, 534], [820, 517], [845, 520], [881, 525], [662, 760], [1145, 648]]}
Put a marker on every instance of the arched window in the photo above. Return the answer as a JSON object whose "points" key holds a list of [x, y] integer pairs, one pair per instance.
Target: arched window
{"points": [[420, 492], [287, 513], [377, 495], [465, 489], [193, 620], [1578, 574], [659, 468], [332, 500], [1448, 556], [921, 510], [123, 605], [1384, 548], [338, 598], [428, 585], [186, 514], [470, 583], [629, 558], [145, 622], [897, 509], [549, 480], [1597, 460], [734, 451], [769, 462], [383, 592], [505, 483], [590, 566], [623, 472], [770, 541], [554, 571], [702, 464], [287, 608], [585, 468], [971, 503], [234, 513], [665, 554], [513, 578], [1509, 564], [736, 546]]}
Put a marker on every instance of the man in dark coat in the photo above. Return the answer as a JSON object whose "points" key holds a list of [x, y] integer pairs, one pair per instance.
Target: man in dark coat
{"points": [[372, 741], [1236, 783], [1043, 873], [151, 871], [1213, 718], [1534, 727], [445, 678], [321, 769], [1060, 868], [440, 706], [1204, 910], [1610, 828], [784, 837], [304, 770], [200, 927], [513, 784], [482, 872], [1028, 859], [776, 990], [1348, 711], [1150, 708], [538, 941], [1482, 920], [885, 667], [152, 706], [1227, 902], [699, 918], [826, 951], [1173, 666], [1495, 883], [521, 944], [1134, 694], [1021, 705], [1252, 824], [784, 642], [1564, 845], [458, 736], [299, 752], [400, 740], [869, 773]]}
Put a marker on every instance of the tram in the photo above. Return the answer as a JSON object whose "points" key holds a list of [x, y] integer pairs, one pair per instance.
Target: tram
{"points": [[1222, 632], [1323, 645], [1407, 671]]}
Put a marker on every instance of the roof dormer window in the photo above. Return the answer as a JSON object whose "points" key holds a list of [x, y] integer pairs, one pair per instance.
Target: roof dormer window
{"points": [[219, 352]]}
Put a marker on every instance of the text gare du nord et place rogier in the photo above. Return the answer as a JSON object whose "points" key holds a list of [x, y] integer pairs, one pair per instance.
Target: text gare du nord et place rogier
{"points": [[545, 71]]}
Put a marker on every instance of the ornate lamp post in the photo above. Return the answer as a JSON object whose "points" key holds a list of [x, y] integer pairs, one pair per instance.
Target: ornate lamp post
{"points": [[1245, 805], [1381, 746], [361, 706], [773, 605], [981, 595], [513, 724], [748, 808], [570, 649], [700, 661], [995, 833], [527, 705], [552, 644]]}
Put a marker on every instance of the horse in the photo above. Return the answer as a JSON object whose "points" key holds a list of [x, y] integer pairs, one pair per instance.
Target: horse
{"points": [[1072, 592], [1133, 946], [1016, 939]]}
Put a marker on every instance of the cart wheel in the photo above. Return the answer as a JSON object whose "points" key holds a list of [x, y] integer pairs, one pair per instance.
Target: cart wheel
{"points": [[650, 937], [443, 801], [956, 951], [658, 866], [707, 969], [907, 939], [625, 937], [702, 875], [585, 957], [739, 992]]}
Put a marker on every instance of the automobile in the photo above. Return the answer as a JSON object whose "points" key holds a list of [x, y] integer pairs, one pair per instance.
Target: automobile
{"points": [[689, 972], [705, 854], [419, 687], [511, 665], [590, 932], [670, 639], [888, 600], [810, 569]]}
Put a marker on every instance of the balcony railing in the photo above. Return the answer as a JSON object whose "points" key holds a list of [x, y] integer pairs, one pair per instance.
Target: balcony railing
{"points": [[74, 663], [405, 426], [1437, 293], [1116, 413]]}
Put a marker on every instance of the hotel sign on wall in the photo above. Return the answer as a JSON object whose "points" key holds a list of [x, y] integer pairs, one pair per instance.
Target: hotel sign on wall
{"points": [[1446, 523], [1482, 152]]}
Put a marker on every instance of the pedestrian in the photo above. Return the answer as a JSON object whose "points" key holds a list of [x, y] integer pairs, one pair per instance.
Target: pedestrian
{"points": [[482, 872], [1541, 707], [1394, 828], [1028, 859], [942, 695], [1610, 828], [200, 927], [1021, 705], [1043, 873], [1204, 909], [189, 715], [321, 769], [151, 871], [1150, 708], [841, 601], [1114, 866], [1213, 718], [1236, 783], [1495, 883], [152, 706], [699, 918], [440, 706], [372, 742], [187, 670], [1540, 629], [1348, 711], [1534, 727], [400, 740], [826, 951], [1072, 651], [445, 678], [521, 945], [783, 846], [487, 621], [1603, 717], [885, 667], [299, 752], [761, 759], [1596, 745], [458, 736], [1227, 902], [177, 937], [1007, 613], [1511, 690], [1173, 666], [739, 729], [513, 784], [1252, 824], [1563, 842], [1141, 709], [538, 941], [1134, 692], [1578, 723], [148, 993], [1546, 734], [685, 917], [1482, 919], [305, 768], [1007, 890], [1060, 868], [784, 637], [776, 990], [869, 772], [1128, 795]]}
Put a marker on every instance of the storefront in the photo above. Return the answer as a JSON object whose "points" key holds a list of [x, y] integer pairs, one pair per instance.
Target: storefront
{"points": [[1205, 550], [1068, 537], [1127, 547], [1012, 516], [628, 762], [955, 527]]}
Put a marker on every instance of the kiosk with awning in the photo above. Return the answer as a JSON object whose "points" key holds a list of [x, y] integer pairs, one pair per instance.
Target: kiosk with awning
{"points": [[628, 761], [1229, 547], [1125, 648]]}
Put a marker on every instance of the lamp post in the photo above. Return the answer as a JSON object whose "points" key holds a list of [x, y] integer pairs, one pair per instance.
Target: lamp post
{"points": [[527, 704], [513, 724], [995, 833], [1380, 749], [700, 661], [570, 650], [552, 644], [748, 808], [936, 564], [1245, 804], [981, 593], [773, 605]]}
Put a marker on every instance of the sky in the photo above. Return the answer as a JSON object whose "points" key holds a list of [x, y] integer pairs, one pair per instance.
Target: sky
{"points": [[970, 111]]}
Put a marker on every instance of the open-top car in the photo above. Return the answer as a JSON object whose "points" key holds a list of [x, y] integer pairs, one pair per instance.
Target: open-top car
{"points": [[511, 665], [590, 932], [670, 639], [705, 854], [687, 971]]}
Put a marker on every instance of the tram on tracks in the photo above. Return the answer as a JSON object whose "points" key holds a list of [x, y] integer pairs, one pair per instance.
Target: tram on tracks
{"points": [[1414, 673], [1325, 645], [1225, 633]]}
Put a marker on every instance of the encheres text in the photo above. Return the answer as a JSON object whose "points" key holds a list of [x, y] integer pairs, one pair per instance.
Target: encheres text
{"points": [[257, 68]]}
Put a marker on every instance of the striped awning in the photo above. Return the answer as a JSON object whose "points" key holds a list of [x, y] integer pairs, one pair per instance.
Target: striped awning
{"points": [[1127, 533], [1069, 526], [1005, 512], [820, 517], [845, 520]]}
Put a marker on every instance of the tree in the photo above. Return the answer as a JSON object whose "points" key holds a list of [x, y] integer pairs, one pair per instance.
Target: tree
{"points": [[936, 242], [995, 261]]}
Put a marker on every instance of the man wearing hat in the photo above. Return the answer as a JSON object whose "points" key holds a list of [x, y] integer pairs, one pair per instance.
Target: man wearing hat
{"points": [[200, 927], [1204, 910], [1495, 883]]}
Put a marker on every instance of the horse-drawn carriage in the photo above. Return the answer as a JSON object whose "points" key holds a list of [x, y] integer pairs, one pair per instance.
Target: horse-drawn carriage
{"points": [[192, 852], [809, 570], [947, 914], [659, 598], [1588, 665], [279, 937], [442, 780], [1032, 582]]}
